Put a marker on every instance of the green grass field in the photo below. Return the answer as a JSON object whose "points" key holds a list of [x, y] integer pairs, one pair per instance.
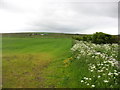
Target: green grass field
{"points": [[33, 62], [42, 62]]}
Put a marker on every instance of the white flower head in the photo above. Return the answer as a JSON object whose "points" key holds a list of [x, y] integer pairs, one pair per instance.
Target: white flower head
{"points": [[93, 85], [82, 81], [88, 84], [109, 73], [86, 78], [91, 70], [115, 70], [89, 78], [116, 74], [106, 81], [99, 76]]}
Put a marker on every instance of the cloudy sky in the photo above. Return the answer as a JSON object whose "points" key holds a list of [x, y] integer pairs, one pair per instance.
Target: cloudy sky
{"points": [[66, 16]]}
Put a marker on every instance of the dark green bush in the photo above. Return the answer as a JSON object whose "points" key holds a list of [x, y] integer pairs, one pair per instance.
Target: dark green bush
{"points": [[98, 38], [115, 39], [83, 38], [103, 38], [87, 38], [77, 38]]}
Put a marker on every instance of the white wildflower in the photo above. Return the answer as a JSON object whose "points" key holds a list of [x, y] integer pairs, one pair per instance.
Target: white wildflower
{"points": [[115, 70], [106, 81], [99, 76], [116, 74], [89, 78], [91, 70], [109, 73], [88, 84], [93, 85], [82, 81]]}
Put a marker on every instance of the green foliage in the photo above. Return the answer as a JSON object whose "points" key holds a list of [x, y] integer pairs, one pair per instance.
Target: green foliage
{"points": [[77, 37], [87, 38], [98, 38], [115, 39], [84, 38], [103, 38]]}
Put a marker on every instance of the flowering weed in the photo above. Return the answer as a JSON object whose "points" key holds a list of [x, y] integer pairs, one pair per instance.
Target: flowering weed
{"points": [[101, 64]]}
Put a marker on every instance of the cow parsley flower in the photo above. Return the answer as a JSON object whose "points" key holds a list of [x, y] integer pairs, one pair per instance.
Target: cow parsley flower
{"points": [[106, 81], [93, 85], [82, 81], [99, 76]]}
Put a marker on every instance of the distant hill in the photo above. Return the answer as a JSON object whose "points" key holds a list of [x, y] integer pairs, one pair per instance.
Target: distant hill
{"points": [[40, 34]]}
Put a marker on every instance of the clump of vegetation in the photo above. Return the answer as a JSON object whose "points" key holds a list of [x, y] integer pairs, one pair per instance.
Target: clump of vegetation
{"points": [[98, 38], [83, 38], [102, 38], [77, 38], [93, 66]]}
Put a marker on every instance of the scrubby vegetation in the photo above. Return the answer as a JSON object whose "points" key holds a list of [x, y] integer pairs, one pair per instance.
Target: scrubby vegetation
{"points": [[98, 38], [96, 65], [95, 62]]}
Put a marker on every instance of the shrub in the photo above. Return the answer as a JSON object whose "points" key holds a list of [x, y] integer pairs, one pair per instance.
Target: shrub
{"points": [[98, 38], [77, 38], [83, 38], [87, 38], [103, 38], [115, 39]]}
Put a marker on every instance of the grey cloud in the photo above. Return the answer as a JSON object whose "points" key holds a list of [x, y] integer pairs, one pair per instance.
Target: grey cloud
{"points": [[88, 15], [9, 7], [64, 16], [97, 8]]}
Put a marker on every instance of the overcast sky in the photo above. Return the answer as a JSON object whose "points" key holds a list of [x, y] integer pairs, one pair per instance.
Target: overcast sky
{"points": [[66, 16]]}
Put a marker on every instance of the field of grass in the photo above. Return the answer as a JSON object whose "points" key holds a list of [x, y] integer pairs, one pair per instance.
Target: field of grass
{"points": [[32, 62]]}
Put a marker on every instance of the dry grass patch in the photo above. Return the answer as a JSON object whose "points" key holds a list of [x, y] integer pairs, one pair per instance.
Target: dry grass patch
{"points": [[25, 69]]}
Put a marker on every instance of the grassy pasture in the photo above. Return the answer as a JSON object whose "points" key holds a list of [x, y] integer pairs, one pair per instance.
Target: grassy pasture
{"points": [[31, 62], [50, 62]]}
